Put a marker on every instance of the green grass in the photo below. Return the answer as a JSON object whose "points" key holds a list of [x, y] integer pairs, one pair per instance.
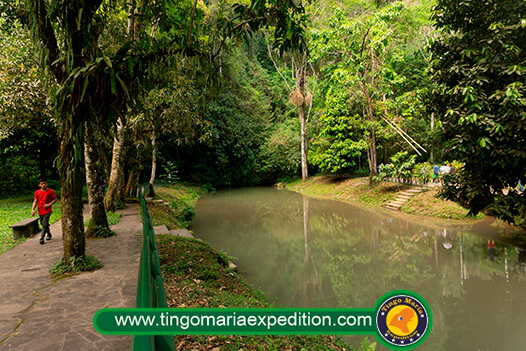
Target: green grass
{"points": [[15, 209], [113, 218], [427, 203], [382, 193], [347, 189]]}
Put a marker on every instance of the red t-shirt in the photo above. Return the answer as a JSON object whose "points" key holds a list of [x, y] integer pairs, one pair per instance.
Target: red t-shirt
{"points": [[44, 197]]}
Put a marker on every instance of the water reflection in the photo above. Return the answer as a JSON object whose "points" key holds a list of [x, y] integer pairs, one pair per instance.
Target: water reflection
{"points": [[317, 253]]}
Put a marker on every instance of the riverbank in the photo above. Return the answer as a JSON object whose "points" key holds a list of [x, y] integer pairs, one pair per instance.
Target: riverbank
{"points": [[176, 206], [358, 190], [197, 275]]}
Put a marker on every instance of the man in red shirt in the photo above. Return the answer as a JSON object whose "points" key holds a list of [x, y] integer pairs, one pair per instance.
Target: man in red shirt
{"points": [[44, 198]]}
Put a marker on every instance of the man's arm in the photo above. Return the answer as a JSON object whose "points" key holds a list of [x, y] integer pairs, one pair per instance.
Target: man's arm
{"points": [[33, 208], [48, 205]]}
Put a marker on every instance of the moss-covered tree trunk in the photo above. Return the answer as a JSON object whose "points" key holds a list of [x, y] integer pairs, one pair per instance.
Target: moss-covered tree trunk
{"points": [[72, 181], [98, 224], [114, 192]]}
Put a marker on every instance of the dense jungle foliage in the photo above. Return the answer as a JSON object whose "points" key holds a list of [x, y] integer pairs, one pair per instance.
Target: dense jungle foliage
{"points": [[207, 95]]}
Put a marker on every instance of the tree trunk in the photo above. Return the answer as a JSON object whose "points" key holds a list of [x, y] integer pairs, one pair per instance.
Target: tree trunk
{"points": [[303, 123], [103, 157], [301, 67], [373, 163], [72, 180], [133, 180], [372, 142], [432, 151], [371, 154], [114, 191], [135, 171], [98, 224], [121, 186], [131, 16], [151, 192]]}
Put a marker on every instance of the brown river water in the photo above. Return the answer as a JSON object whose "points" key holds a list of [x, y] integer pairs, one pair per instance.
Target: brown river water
{"points": [[305, 252]]}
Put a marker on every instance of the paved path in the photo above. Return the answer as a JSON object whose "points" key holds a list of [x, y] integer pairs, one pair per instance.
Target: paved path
{"points": [[40, 313]]}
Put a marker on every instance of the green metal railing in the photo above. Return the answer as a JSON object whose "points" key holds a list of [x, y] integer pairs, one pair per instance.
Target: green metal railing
{"points": [[150, 288]]}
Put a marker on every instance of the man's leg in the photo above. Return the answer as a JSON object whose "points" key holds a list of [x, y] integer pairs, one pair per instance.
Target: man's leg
{"points": [[44, 220], [48, 216]]}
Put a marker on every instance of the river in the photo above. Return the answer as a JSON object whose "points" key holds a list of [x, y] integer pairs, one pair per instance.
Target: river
{"points": [[305, 252]]}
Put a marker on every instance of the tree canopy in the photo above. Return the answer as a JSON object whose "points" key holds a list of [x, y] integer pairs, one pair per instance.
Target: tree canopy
{"points": [[479, 63]]}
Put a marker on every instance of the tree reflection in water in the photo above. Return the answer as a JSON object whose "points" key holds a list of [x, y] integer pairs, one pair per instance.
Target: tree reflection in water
{"points": [[319, 253]]}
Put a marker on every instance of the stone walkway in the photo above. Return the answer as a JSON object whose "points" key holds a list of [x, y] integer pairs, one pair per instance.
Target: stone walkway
{"points": [[40, 313]]}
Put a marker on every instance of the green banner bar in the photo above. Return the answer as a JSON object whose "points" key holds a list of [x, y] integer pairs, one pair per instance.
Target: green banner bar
{"points": [[234, 321]]}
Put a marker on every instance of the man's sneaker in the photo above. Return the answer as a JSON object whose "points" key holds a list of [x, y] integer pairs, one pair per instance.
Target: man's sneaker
{"points": [[48, 237], [41, 241]]}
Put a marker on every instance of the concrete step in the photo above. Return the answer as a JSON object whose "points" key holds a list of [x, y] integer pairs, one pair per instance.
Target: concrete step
{"points": [[182, 232], [415, 191], [393, 206], [406, 193], [406, 197], [161, 229], [399, 201]]}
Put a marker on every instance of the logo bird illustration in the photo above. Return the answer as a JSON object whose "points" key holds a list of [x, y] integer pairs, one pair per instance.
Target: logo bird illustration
{"points": [[401, 319]]}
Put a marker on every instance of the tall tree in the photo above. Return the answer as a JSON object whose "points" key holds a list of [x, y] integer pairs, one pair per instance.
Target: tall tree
{"points": [[305, 95], [90, 82], [68, 64], [115, 192], [479, 64], [363, 48], [115, 189], [339, 145], [295, 42]]}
